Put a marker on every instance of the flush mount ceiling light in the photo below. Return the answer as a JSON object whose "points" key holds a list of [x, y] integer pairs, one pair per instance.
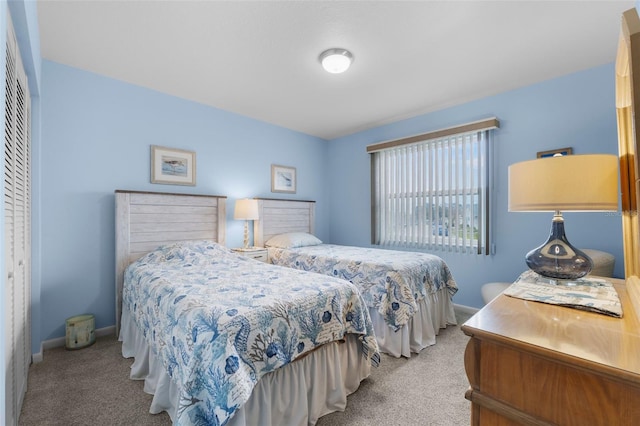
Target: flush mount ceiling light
{"points": [[336, 60]]}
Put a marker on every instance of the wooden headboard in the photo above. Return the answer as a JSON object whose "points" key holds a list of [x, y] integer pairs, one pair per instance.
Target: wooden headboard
{"points": [[147, 220], [279, 216], [628, 111]]}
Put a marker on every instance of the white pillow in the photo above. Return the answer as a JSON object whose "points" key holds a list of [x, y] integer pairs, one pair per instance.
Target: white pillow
{"points": [[292, 239]]}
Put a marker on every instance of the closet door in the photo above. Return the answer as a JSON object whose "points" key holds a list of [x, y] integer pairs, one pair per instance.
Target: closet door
{"points": [[17, 195]]}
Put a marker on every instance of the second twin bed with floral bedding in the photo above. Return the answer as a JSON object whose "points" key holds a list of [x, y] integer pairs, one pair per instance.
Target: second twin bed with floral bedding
{"points": [[409, 294]]}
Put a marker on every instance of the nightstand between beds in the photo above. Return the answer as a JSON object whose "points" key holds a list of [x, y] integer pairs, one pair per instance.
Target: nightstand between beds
{"points": [[258, 253]]}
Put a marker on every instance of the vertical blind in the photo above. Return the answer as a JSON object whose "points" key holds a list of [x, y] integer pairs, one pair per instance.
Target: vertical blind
{"points": [[431, 191]]}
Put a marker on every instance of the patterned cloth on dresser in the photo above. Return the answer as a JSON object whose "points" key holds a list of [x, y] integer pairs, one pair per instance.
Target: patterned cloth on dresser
{"points": [[588, 293]]}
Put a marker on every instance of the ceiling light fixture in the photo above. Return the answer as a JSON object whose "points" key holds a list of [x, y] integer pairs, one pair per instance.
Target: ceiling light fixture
{"points": [[336, 60]]}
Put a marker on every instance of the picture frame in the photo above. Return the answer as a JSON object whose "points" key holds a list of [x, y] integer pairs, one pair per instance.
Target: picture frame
{"points": [[173, 166], [552, 152], [283, 179]]}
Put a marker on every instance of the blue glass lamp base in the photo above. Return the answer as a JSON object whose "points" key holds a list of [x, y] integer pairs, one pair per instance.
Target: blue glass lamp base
{"points": [[557, 258]]}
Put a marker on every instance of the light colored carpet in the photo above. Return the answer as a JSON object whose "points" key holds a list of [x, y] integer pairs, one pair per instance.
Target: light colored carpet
{"points": [[91, 386]]}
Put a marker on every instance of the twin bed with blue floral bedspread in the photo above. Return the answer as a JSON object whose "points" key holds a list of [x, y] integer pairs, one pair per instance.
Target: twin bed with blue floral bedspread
{"points": [[390, 281], [217, 322], [408, 293]]}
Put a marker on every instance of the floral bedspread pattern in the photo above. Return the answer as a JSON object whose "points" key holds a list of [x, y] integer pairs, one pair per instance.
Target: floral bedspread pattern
{"points": [[219, 321], [392, 282]]}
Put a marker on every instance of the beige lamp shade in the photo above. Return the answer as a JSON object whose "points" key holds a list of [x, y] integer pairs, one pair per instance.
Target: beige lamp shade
{"points": [[246, 209], [565, 183]]}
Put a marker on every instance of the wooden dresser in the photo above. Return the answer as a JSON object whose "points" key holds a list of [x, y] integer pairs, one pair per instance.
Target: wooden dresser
{"points": [[533, 363]]}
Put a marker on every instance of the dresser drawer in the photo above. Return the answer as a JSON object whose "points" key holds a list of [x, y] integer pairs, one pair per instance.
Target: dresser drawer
{"points": [[258, 254]]}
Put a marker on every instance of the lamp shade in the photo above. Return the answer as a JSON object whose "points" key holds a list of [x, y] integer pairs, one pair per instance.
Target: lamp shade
{"points": [[246, 209], [565, 183]]}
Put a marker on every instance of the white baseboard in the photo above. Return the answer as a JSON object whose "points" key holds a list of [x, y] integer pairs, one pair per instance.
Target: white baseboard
{"points": [[465, 309], [38, 356], [61, 341]]}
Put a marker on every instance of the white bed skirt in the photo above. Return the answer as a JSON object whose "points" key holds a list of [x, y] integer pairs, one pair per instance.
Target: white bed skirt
{"points": [[297, 394], [434, 312]]}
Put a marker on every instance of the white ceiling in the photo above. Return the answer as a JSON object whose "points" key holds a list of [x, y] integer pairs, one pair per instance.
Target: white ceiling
{"points": [[260, 59]]}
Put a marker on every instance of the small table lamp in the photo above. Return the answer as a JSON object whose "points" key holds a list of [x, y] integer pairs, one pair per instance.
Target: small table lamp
{"points": [[246, 209], [563, 183]]}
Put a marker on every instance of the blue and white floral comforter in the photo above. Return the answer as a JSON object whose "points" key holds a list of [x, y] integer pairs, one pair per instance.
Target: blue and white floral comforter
{"points": [[391, 282], [219, 321]]}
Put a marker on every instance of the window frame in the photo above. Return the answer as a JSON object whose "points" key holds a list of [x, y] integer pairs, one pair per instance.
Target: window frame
{"points": [[437, 147]]}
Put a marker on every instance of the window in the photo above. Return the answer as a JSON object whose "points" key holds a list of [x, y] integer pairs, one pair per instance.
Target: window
{"points": [[431, 191]]}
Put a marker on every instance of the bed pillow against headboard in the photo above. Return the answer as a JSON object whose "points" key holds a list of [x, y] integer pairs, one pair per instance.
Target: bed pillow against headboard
{"points": [[280, 216], [292, 240]]}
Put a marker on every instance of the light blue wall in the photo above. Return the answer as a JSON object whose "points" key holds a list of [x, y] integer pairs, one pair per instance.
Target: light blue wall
{"points": [[575, 111], [97, 137]]}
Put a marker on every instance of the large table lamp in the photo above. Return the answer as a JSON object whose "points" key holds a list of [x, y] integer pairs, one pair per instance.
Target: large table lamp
{"points": [[246, 209], [557, 184]]}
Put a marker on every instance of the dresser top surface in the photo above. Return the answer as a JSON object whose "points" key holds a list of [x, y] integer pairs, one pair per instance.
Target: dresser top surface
{"points": [[574, 335]]}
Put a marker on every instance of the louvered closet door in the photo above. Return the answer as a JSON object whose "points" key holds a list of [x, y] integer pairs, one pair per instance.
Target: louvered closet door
{"points": [[9, 149], [17, 187]]}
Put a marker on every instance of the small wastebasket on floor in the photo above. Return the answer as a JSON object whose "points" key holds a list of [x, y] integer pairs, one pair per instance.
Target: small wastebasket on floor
{"points": [[80, 331]]}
